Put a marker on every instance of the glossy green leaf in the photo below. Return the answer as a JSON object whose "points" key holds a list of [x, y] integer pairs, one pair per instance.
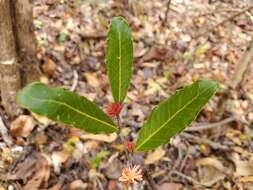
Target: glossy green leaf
{"points": [[66, 107], [174, 114], [119, 58]]}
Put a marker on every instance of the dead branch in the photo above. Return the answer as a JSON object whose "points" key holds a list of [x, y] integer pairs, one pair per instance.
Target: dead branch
{"points": [[200, 140], [242, 66], [166, 12], [149, 179], [212, 28], [188, 178], [75, 81], [4, 133], [94, 36], [212, 125], [237, 77], [100, 185]]}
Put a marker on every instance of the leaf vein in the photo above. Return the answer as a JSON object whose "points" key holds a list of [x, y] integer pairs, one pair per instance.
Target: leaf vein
{"points": [[120, 57]]}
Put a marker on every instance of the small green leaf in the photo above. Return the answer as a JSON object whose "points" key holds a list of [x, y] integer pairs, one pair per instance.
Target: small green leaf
{"points": [[174, 114], [188, 56], [69, 146], [63, 36], [37, 23], [64, 106], [94, 163], [119, 58]]}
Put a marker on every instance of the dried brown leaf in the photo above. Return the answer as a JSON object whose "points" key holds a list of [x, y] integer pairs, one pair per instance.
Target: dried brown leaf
{"points": [[41, 176], [211, 161], [155, 53], [92, 79], [58, 158], [100, 137], [171, 186], [57, 186], [78, 184], [154, 156], [246, 179], [243, 168], [23, 170], [22, 126], [48, 66], [210, 171]]}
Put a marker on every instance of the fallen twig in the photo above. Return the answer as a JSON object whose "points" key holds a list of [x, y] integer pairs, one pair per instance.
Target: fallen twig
{"points": [[176, 163], [199, 140], [4, 132], [95, 36], [250, 15], [100, 185], [242, 66], [166, 12], [183, 163], [149, 179], [212, 125], [75, 81], [212, 28], [188, 178], [238, 76]]}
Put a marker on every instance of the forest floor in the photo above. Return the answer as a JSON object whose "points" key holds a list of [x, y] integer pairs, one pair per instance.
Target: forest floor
{"points": [[174, 44]]}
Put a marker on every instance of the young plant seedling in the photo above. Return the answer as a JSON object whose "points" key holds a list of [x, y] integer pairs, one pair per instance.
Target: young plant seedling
{"points": [[167, 119]]}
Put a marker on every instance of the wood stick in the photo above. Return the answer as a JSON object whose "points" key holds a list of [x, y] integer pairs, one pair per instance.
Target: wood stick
{"points": [[214, 145], [166, 12], [212, 28], [75, 81], [149, 179], [97, 36], [212, 125], [4, 132], [188, 178], [242, 66], [238, 76]]}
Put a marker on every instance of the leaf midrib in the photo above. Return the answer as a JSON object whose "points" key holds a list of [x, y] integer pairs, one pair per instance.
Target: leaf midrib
{"points": [[120, 56], [172, 117], [74, 109]]}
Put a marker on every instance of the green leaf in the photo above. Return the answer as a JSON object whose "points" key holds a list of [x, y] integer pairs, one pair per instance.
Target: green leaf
{"points": [[69, 146], [64, 106], [174, 114], [94, 163], [119, 58], [63, 37]]}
